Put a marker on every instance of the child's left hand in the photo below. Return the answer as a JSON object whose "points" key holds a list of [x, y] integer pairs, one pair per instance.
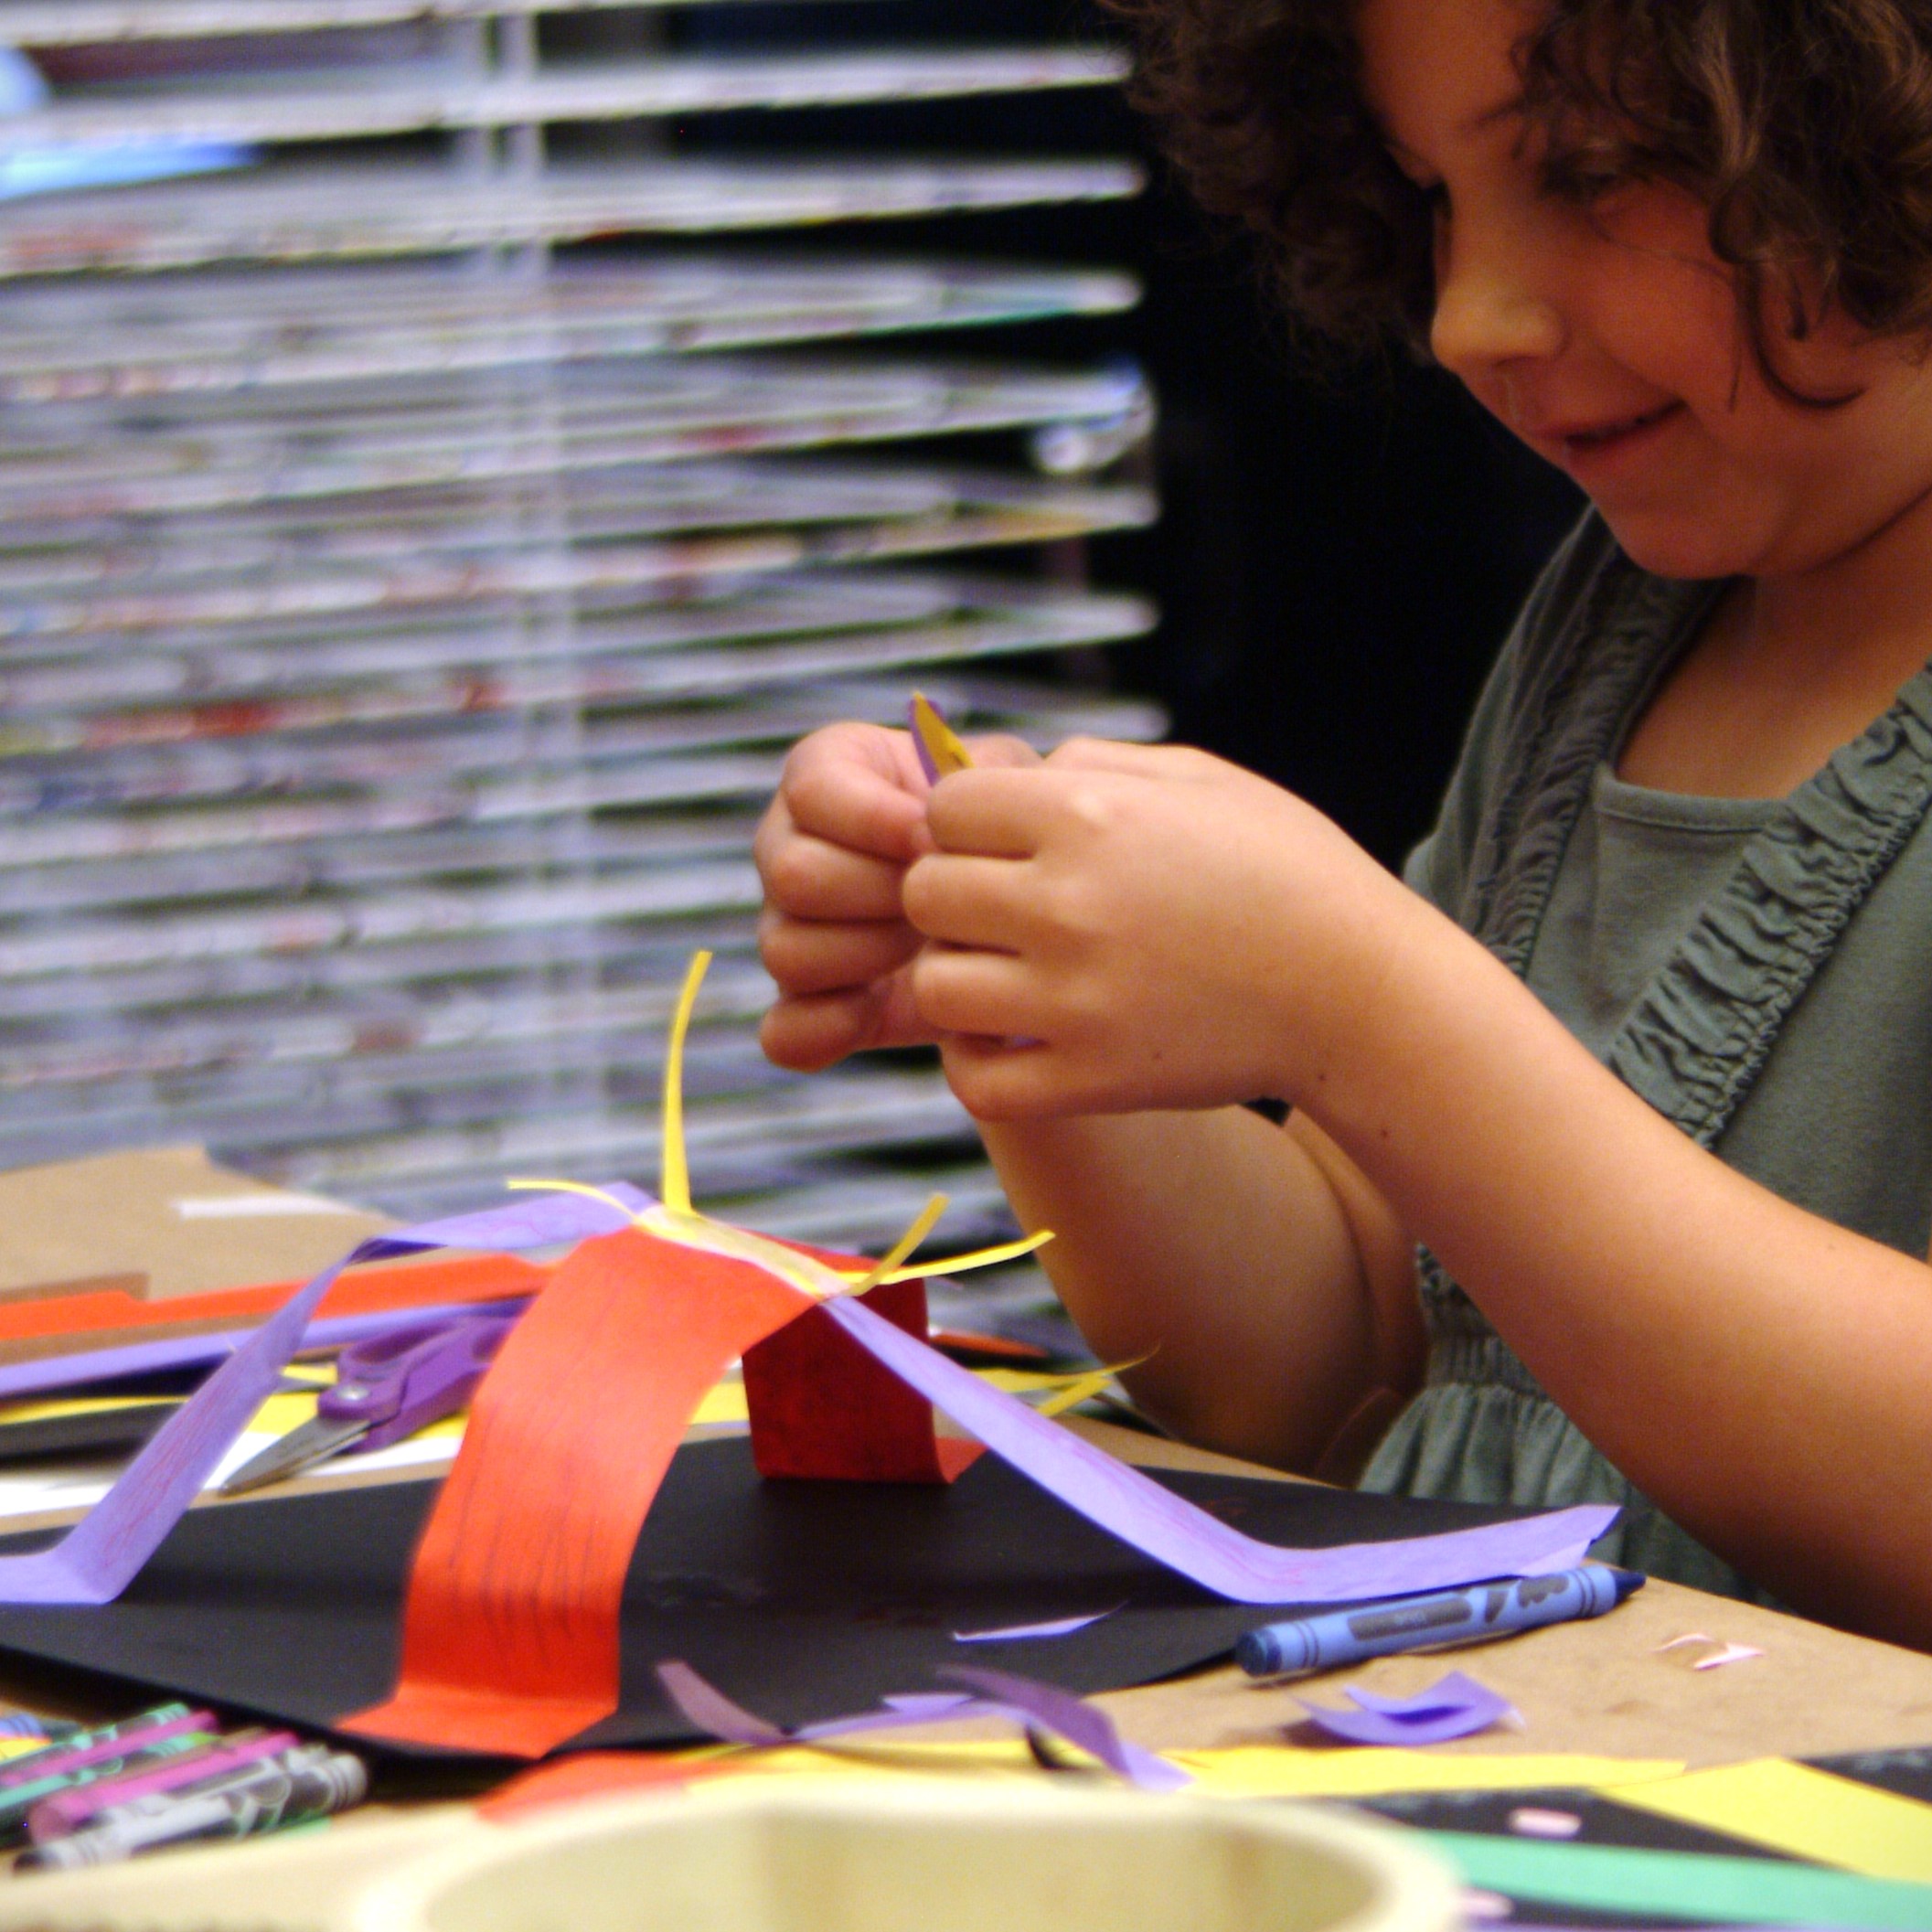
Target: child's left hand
{"points": [[1129, 927]]}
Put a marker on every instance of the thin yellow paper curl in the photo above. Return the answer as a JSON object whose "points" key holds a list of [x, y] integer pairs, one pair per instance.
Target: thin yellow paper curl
{"points": [[675, 1219]]}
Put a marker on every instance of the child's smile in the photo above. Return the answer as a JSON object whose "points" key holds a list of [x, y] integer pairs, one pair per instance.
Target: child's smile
{"points": [[1607, 335]]}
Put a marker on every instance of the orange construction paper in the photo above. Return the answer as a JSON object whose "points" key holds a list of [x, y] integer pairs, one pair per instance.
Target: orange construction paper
{"points": [[510, 1622], [605, 1774], [824, 1409], [114, 1315]]}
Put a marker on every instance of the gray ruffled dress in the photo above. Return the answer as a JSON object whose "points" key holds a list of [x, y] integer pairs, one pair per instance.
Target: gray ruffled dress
{"points": [[1760, 971]]}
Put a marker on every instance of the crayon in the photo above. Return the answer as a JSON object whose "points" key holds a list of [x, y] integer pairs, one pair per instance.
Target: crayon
{"points": [[309, 1781], [1340, 1638]]}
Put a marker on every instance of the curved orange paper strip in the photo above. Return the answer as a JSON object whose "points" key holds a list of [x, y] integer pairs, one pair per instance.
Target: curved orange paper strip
{"points": [[511, 1630]]}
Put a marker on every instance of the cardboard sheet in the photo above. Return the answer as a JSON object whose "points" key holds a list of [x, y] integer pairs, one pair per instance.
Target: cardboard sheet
{"points": [[800, 1600]]}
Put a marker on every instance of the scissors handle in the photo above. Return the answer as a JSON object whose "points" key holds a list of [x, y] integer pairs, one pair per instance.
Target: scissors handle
{"points": [[402, 1382]]}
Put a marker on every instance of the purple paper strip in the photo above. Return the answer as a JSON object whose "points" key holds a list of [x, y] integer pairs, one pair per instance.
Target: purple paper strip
{"points": [[194, 1351], [1076, 1720], [925, 757], [1020, 1633], [104, 1553], [1160, 1524], [1019, 1699], [1454, 1706]]}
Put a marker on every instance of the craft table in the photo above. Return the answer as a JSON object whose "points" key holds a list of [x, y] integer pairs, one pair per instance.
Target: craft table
{"points": [[1605, 1687]]}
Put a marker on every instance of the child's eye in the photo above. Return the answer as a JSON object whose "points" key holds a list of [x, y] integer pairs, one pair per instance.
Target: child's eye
{"points": [[1584, 179]]}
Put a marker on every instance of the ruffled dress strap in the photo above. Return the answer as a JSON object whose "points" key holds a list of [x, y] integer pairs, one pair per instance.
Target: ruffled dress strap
{"points": [[1694, 1040]]}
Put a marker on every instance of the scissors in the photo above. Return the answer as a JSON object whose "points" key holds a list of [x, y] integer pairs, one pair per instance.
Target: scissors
{"points": [[385, 1390]]}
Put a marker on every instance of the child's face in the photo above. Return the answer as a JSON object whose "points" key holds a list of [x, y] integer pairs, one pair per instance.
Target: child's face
{"points": [[1607, 337]]}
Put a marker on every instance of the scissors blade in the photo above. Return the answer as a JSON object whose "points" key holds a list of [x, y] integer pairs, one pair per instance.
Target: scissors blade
{"points": [[295, 1452]]}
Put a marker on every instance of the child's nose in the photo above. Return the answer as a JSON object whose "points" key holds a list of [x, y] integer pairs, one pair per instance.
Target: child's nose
{"points": [[1493, 308]]}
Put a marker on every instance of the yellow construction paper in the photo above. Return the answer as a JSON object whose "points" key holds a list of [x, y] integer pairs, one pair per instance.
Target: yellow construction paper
{"points": [[1247, 1771], [1261, 1771], [1808, 1813]]}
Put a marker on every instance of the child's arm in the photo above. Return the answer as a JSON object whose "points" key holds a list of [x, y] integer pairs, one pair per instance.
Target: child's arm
{"points": [[1175, 932], [1266, 1283], [1274, 1289]]}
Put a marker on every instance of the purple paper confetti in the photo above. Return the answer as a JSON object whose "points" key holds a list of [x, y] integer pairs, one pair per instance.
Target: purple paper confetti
{"points": [[1454, 1706], [1019, 1698], [104, 1553], [1174, 1532]]}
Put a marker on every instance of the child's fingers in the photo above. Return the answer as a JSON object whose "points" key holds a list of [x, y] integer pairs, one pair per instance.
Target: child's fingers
{"points": [[813, 879], [994, 814], [1002, 753], [808, 1034], [970, 901], [993, 1079], [858, 785], [1166, 762], [806, 955], [958, 991]]}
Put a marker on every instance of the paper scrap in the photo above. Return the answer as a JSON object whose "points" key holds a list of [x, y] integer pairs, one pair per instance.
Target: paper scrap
{"points": [[1802, 1812], [1454, 1706], [999, 1694], [256, 1207], [1021, 1633], [939, 751], [1729, 1654], [1536, 1822], [1723, 1653]]}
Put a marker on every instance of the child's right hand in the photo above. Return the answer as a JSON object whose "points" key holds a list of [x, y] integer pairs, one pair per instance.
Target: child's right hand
{"points": [[832, 851]]}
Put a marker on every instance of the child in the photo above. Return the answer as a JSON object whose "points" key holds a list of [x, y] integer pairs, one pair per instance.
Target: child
{"points": [[1639, 1060]]}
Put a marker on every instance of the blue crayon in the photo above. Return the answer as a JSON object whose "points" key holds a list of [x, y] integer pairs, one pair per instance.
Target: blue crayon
{"points": [[1340, 1638]]}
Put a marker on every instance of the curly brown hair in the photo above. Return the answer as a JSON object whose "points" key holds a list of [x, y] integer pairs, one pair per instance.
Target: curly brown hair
{"points": [[1805, 127]]}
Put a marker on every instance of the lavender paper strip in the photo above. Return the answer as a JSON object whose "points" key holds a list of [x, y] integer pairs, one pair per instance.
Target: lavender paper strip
{"points": [[1160, 1524], [1017, 1698], [1454, 1706], [194, 1351], [925, 757], [104, 1553], [1076, 1720]]}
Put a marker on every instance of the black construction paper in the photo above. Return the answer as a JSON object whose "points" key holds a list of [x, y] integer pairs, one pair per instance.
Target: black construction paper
{"points": [[1603, 1823], [1906, 1773], [799, 1600], [91, 1432]]}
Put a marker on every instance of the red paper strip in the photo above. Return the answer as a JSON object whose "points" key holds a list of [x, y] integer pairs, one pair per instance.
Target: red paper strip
{"points": [[510, 1627], [483, 1277], [823, 1409]]}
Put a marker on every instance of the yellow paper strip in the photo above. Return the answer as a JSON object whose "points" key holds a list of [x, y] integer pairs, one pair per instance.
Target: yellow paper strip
{"points": [[1807, 1813], [922, 1226], [1247, 1771], [942, 742], [1260, 1771], [675, 1185]]}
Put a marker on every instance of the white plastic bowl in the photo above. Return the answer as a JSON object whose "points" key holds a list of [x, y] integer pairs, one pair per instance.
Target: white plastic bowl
{"points": [[944, 1857]]}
